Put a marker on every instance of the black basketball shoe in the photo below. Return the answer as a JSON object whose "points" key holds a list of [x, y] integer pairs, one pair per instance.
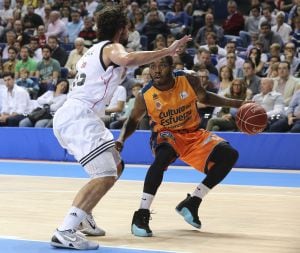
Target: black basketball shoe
{"points": [[140, 223]]}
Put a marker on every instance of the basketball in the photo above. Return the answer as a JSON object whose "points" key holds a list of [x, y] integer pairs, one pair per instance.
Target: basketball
{"points": [[251, 118]]}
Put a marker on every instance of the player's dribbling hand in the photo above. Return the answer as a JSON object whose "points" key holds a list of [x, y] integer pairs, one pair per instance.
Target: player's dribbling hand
{"points": [[119, 145], [177, 43], [247, 102]]}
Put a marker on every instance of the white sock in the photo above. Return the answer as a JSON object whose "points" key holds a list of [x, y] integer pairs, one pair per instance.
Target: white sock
{"points": [[72, 219], [200, 191], [146, 201]]}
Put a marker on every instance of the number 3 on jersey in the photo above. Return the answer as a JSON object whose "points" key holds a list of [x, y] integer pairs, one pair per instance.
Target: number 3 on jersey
{"points": [[79, 80]]}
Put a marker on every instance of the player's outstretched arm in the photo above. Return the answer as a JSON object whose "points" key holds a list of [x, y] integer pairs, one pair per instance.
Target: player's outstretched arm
{"points": [[209, 98], [130, 125], [118, 55]]}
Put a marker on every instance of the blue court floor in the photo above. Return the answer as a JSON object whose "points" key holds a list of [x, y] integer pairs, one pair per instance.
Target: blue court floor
{"points": [[254, 177], [22, 246]]}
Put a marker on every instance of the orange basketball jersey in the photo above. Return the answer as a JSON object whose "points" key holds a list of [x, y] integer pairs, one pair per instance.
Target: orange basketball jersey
{"points": [[174, 109], [174, 120]]}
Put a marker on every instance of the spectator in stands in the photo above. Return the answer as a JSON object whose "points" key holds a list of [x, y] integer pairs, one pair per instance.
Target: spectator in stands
{"points": [[210, 26], [48, 71], [11, 38], [18, 46], [159, 42], [295, 38], [116, 106], [211, 41], [74, 57], [230, 48], [186, 59], [251, 25], [10, 64], [275, 50], [31, 20], [57, 5], [267, 37], [22, 36], [281, 27], [144, 79], [235, 20], [267, 17], [52, 99], [87, 32], [65, 15], [285, 83], [294, 12], [226, 78], [273, 70], [58, 53], [251, 80], [290, 123], [25, 62], [139, 20], [170, 39], [284, 5], [39, 10], [74, 27], [46, 16], [91, 6], [270, 100], [178, 20], [35, 50], [153, 27], [83, 10], [231, 63], [205, 111], [153, 7], [203, 57], [134, 38], [28, 84], [289, 55], [225, 121], [56, 27], [118, 123], [255, 57], [15, 102], [41, 36], [252, 21], [6, 12], [132, 9]]}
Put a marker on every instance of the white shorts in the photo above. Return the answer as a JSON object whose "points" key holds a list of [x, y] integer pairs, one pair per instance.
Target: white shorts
{"points": [[83, 134]]}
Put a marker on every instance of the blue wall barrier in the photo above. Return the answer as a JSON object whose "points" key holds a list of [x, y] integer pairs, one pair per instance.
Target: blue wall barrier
{"points": [[267, 150]]}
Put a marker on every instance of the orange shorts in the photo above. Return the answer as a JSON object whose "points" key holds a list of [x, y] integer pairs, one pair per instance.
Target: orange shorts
{"points": [[193, 148]]}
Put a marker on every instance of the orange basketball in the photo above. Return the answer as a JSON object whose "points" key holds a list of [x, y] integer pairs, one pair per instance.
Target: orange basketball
{"points": [[251, 118]]}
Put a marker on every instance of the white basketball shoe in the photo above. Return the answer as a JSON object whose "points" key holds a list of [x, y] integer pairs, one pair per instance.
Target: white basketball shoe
{"points": [[72, 240], [89, 227]]}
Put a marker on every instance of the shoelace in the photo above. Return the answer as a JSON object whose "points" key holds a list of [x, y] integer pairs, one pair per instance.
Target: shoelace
{"points": [[91, 219]]}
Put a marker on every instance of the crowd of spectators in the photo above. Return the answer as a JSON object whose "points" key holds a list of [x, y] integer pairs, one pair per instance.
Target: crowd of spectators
{"points": [[251, 54]]}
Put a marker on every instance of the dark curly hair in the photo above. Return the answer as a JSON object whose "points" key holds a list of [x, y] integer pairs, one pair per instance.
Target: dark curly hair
{"points": [[109, 21]]}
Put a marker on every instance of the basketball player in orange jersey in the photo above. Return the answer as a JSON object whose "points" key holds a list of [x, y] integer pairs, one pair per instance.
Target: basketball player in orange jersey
{"points": [[170, 101]]}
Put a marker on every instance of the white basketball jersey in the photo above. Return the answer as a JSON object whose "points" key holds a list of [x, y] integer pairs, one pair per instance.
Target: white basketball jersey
{"points": [[94, 84]]}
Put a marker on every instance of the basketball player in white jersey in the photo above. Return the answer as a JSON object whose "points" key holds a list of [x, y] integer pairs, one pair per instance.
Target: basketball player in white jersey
{"points": [[78, 126]]}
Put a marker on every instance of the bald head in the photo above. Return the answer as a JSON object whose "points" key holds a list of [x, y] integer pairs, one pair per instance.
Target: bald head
{"points": [[266, 85]]}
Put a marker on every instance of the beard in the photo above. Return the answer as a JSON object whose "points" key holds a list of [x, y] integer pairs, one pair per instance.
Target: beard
{"points": [[124, 41]]}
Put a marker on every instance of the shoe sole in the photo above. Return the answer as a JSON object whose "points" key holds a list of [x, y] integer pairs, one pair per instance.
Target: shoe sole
{"points": [[188, 217], [139, 232], [58, 244], [92, 234]]}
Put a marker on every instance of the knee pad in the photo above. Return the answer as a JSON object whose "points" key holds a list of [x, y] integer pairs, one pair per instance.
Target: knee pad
{"points": [[224, 152]]}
